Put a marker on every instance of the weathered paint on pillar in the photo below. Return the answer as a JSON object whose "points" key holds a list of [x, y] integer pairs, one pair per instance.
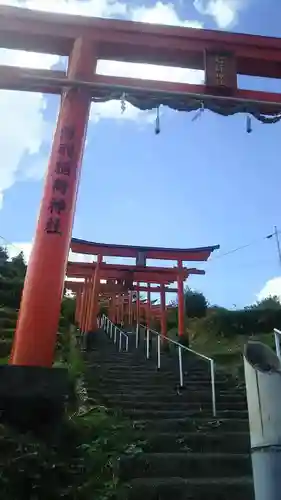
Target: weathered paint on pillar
{"points": [[181, 322], [163, 310], [37, 325]]}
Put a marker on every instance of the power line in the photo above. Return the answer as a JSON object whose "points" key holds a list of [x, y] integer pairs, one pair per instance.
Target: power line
{"points": [[243, 247], [10, 244]]}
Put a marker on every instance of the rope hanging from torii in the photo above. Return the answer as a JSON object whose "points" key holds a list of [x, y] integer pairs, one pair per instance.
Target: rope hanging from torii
{"points": [[226, 107]]}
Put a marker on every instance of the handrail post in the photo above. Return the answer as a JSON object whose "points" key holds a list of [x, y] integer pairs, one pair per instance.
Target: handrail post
{"points": [[158, 352], [277, 344], [214, 405], [115, 334], [127, 343], [120, 340], [180, 365], [147, 344]]}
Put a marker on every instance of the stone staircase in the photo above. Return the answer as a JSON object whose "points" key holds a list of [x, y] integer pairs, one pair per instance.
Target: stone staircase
{"points": [[187, 453]]}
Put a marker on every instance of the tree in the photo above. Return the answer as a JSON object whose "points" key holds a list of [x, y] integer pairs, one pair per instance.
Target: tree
{"points": [[18, 265], [196, 304], [270, 303]]}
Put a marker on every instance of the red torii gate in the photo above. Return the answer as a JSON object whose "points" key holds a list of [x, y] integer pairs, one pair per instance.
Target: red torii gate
{"points": [[84, 41], [118, 297], [128, 275]]}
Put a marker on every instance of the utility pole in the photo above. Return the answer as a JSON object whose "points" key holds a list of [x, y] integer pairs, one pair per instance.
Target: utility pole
{"points": [[276, 235]]}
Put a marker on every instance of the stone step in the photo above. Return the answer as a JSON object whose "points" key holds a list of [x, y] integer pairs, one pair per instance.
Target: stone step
{"points": [[196, 425], [157, 376], [231, 442], [177, 404], [189, 411], [229, 400], [190, 489], [143, 366], [186, 465], [131, 384]]}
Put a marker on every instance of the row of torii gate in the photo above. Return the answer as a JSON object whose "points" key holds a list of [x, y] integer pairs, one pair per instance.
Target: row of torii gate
{"points": [[118, 287]]}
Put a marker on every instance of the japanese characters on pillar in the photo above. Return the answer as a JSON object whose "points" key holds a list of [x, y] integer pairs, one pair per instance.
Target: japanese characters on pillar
{"points": [[64, 170], [220, 72], [36, 331]]}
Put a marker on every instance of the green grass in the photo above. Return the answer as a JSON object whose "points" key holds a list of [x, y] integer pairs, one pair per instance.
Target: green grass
{"points": [[227, 352]]}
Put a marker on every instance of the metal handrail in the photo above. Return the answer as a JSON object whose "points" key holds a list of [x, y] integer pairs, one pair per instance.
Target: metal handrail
{"points": [[112, 330], [277, 336], [181, 347]]}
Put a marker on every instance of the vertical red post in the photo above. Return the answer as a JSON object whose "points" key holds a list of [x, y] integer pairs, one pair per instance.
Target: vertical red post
{"points": [[148, 312], [82, 304], [78, 305], [130, 305], [138, 306], [88, 287], [118, 309], [122, 310], [94, 300], [181, 321], [37, 325], [163, 310]]}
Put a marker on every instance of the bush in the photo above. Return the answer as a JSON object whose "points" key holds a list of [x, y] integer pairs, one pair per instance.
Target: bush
{"points": [[223, 323], [196, 304], [5, 348]]}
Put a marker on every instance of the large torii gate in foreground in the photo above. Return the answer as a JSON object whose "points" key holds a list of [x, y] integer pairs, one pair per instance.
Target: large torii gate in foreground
{"points": [[222, 56]]}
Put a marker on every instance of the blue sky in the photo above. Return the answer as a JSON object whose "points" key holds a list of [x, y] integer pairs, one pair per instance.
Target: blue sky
{"points": [[197, 183]]}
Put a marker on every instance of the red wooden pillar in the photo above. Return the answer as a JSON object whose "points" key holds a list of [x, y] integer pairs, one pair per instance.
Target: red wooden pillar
{"points": [[148, 312], [181, 321], [118, 309], [122, 310], [138, 306], [37, 325], [86, 304], [78, 305], [94, 300], [82, 305], [130, 306], [163, 310]]}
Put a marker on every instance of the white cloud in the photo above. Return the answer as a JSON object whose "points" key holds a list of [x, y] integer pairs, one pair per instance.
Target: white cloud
{"points": [[224, 12], [22, 138], [271, 288], [26, 247]]}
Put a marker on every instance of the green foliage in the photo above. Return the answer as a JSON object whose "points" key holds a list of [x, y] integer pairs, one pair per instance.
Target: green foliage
{"points": [[68, 310], [222, 323], [196, 304], [270, 303], [79, 460]]}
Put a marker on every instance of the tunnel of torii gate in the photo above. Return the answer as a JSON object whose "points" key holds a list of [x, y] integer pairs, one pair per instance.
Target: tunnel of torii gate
{"points": [[124, 306], [122, 283], [222, 56]]}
